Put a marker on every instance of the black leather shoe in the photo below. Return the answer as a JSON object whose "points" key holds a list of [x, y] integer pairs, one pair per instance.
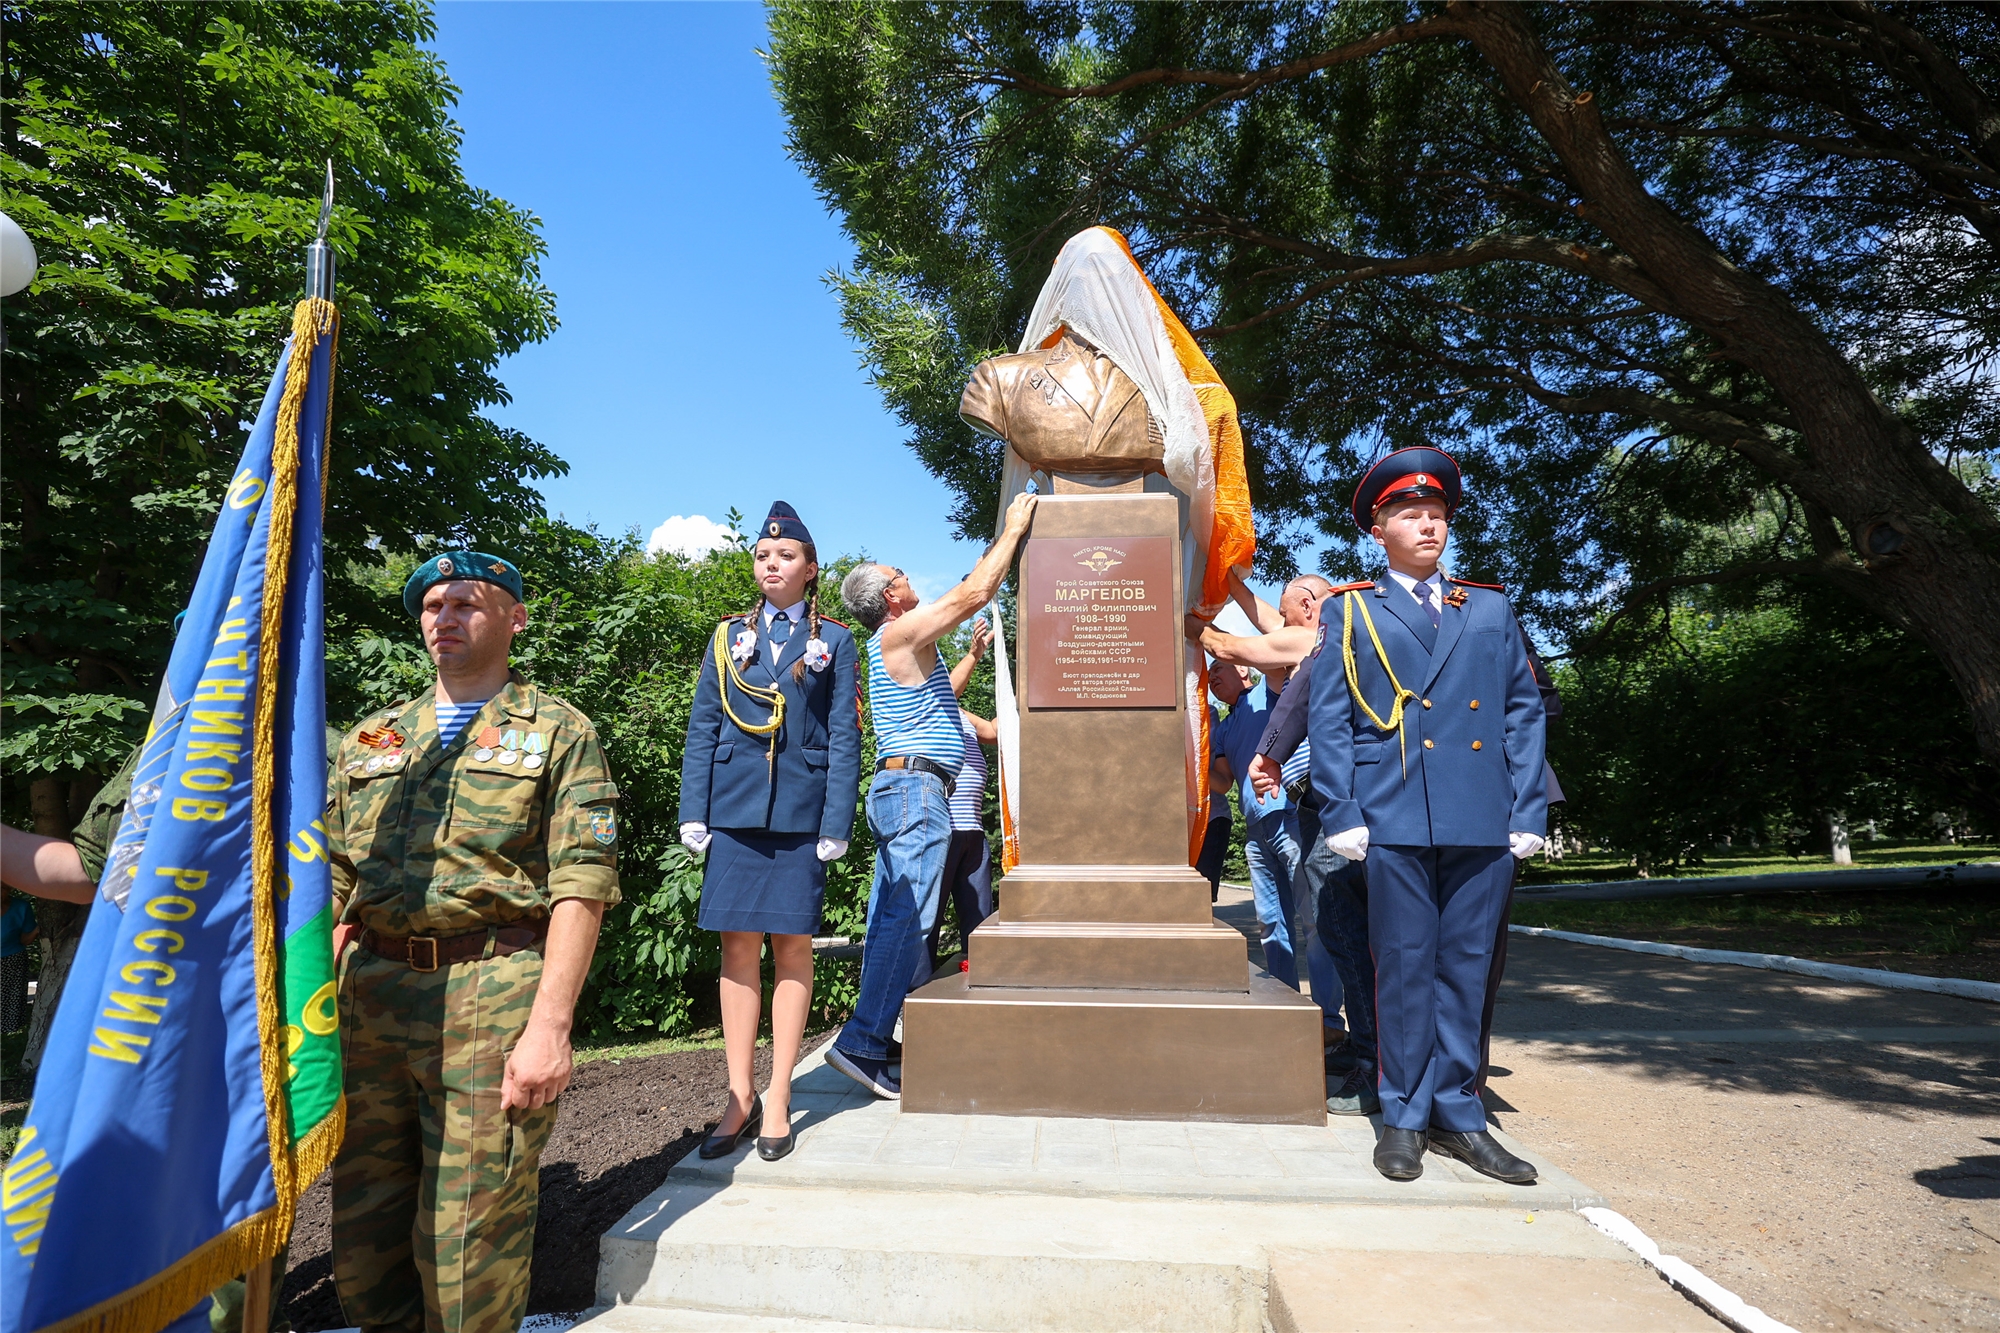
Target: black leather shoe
{"points": [[1483, 1153], [772, 1149], [721, 1145], [1399, 1153]]}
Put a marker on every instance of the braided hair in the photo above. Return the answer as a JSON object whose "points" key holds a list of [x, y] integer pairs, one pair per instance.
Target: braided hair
{"points": [[811, 554], [812, 614]]}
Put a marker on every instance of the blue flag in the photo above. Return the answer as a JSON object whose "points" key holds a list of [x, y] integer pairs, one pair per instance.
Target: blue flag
{"points": [[191, 1085]]}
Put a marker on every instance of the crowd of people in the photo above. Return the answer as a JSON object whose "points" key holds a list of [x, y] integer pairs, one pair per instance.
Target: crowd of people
{"points": [[1387, 794]]}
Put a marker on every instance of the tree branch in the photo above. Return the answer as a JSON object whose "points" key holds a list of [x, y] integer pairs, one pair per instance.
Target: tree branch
{"points": [[1847, 148], [1605, 265], [1437, 25], [1838, 565]]}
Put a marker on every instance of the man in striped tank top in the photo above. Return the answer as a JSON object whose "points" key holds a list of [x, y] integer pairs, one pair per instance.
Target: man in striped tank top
{"points": [[919, 749]]}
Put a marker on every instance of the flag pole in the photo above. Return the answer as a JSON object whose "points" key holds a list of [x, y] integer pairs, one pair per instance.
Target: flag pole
{"points": [[319, 255], [258, 1282]]}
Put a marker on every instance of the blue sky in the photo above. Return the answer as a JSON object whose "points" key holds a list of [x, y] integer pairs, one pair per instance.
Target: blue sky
{"points": [[700, 364]]}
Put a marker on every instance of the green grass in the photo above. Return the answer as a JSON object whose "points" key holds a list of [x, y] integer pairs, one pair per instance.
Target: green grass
{"points": [[1945, 931], [708, 1039], [1593, 867]]}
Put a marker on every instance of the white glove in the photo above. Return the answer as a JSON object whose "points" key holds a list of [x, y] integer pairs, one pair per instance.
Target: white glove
{"points": [[696, 837], [832, 849], [1525, 845], [1352, 844]]}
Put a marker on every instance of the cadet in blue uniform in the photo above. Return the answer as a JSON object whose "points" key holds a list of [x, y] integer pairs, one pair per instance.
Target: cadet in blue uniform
{"points": [[1427, 737], [769, 781]]}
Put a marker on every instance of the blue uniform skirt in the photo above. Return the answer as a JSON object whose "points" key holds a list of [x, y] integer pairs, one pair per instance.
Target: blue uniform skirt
{"points": [[769, 882]]}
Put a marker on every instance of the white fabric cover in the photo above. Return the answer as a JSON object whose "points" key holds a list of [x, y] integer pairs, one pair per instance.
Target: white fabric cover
{"points": [[1099, 294]]}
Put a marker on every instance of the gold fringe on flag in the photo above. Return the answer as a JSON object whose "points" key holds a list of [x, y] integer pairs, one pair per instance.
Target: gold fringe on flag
{"points": [[172, 1292]]}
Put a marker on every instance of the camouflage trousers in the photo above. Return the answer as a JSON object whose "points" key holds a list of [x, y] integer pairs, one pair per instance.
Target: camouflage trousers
{"points": [[434, 1189]]}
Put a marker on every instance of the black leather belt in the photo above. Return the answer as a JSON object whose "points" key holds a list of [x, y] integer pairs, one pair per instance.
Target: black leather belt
{"points": [[426, 953], [918, 764]]}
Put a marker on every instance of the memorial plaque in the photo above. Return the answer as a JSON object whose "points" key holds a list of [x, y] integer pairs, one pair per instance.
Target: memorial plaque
{"points": [[1101, 622]]}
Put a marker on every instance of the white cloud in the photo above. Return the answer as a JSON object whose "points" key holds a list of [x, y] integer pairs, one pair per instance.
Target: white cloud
{"points": [[690, 535]]}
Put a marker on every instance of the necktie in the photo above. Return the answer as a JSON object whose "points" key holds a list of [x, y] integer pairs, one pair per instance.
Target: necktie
{"points": [[781, 634], [1430, 607]]}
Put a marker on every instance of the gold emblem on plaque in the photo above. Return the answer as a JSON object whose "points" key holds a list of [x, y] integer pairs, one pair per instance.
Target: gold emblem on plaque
{"points": [[1097, 559]]}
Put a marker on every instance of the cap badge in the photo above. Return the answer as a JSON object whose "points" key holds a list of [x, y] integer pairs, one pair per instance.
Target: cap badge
{"points": [[1422, 479], [445, 566], [496, 568], [773, 529]]}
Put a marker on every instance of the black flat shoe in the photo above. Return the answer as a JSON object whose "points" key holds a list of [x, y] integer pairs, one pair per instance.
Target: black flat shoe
{"points": [[772, 1149], [721, 1145], [1483, 1153], [1399, 1153]]}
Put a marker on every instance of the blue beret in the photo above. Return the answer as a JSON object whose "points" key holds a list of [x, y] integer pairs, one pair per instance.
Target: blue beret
{"points": [[783, 521], [460, 565], [1408, 474]]}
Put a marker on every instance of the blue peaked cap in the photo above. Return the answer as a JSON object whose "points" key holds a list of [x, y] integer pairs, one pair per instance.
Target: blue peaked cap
{"points": [[460, 565], [784, 521], [1408, 474]]}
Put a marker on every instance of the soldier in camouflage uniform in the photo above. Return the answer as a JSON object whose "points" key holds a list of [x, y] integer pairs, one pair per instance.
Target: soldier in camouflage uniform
{"points": [[473, 835]]}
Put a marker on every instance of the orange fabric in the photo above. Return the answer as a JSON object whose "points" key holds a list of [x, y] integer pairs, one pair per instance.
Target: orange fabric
{"points": [[1232, 541]]}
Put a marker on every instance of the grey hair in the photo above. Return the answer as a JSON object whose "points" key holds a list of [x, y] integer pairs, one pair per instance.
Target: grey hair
{"points": [[866, 592], [1318, 584]]}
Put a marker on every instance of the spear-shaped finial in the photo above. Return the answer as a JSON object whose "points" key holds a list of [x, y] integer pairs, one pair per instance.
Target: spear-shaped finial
{"points": [[319, 255]]}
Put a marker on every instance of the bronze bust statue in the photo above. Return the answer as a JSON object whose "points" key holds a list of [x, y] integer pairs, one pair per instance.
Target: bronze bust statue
{"points": [[1065, 408]]}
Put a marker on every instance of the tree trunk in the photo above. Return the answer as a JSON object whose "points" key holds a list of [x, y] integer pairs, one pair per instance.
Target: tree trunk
{"points": [[58, 952], [61, 924], [1927, 551]]}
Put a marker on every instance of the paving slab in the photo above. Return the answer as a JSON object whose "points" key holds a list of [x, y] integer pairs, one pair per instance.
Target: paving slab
{"points": [[850, 1140], [694, 1252], [1356, 1291]]}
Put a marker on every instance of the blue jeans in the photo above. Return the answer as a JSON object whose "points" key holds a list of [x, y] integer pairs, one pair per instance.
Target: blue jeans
{"points": [[1342, 932], [911, 820], [1314, 865], [1274, 856]]}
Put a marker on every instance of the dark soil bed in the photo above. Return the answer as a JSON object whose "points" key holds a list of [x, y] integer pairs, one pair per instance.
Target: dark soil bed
{"points": [[620, 1127]]}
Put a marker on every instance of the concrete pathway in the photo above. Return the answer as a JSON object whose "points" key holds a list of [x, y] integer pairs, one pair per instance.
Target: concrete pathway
{"points": [[1824, 1150]]}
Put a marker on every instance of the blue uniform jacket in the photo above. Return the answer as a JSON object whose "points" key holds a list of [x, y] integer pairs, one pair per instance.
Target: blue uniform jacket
{"points": [[1474, 734], [814, 782]]}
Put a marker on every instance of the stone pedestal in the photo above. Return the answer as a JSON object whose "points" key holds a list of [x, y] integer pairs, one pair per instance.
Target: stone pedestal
{"points": [[1103, 985]]}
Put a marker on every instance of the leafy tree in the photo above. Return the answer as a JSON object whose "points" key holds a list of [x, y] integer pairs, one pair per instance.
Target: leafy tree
{"points": [[168, 161], [1767, 721], [1652, 271]]}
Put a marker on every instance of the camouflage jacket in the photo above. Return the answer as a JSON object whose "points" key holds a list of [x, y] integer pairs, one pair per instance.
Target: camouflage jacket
{"points": [[94, 833], [98, 828], [516, 814]]}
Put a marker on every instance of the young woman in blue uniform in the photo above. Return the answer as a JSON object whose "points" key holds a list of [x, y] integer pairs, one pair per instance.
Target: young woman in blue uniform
{"points": [[769, 781]]}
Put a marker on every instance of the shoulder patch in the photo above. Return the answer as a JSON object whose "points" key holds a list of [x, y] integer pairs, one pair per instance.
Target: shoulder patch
{"points": [[1495, 587], [1353, 587], [829, 620]]}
